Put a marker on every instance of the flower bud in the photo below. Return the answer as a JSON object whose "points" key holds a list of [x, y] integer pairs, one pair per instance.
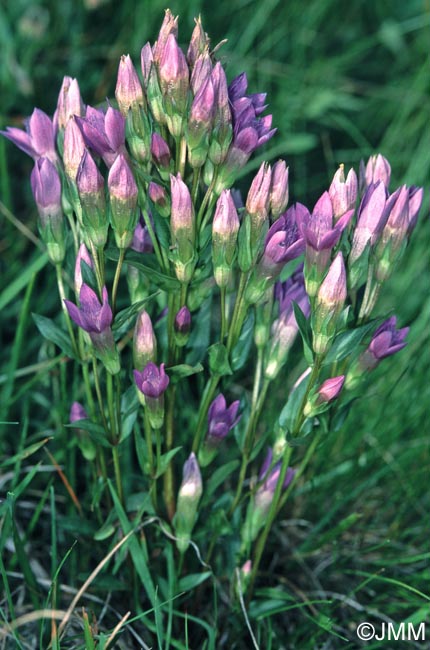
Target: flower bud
{"points": [[182, 326], [83, 256], [160, 198], [73, 148], [169, 26], [343, 193], [189, 495], [161, 155], [225, 227], [199, 42], [279, 188], [123, 201], [182, 228], [222, 132], [377, 169], [144, 342], [152, 383], [128, 91], [46, 188], [200, 124], [326, 393], [329, 304], [258, 201], [174, 83], [90, 185], [69, 103], [221, 420]]}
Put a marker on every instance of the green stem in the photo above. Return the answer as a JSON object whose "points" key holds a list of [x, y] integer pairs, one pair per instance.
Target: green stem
{"points": [[96, 253], [62, 293], [117, 469], [169, 496], [370, 297], [249, 439], [154, 241], [181, 156], [224, 323], [205, 202], [203, 411], [195, 188], [116, 278], [312, 379], [99, 395], [239, 313]]}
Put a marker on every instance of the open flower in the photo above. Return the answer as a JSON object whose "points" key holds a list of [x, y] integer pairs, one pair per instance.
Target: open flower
{"points": [[152, 381]]}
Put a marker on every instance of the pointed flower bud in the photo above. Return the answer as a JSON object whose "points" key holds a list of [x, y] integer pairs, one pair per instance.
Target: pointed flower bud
{"points": [[144, 342], [161, 155], [83, 257], [73, 148], [96, 319], [169, 26], [200, 124], [182, 228], [38, 139], [329, 304], [46, 187], [189, 495], [222, 132], [201, 72], [152, 383], [377, 169], [69, 103], [160, 198], [128, 91], [343, 192], [330, 389], [77, 412], [123, 201], [90, 184], [199, 42], [141, 242], [258, 199], [182, 326], [221, 420], [371, 219], [225, 227], [279, 188], [174, 83]]}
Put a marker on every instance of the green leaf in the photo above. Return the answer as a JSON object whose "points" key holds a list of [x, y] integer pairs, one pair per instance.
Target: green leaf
{"points": [[183, 370], [25, 453], [96, 431], [218, 360], [241, 350], [165, 460], [53, 333], [347, 343], [219, 477], [290, 411], [129, 408], [193, 580], [125, 315], [305, 332], [149, 267]]}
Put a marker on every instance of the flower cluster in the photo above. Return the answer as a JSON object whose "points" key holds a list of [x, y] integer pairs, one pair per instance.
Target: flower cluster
{"points": [[146, 182]]}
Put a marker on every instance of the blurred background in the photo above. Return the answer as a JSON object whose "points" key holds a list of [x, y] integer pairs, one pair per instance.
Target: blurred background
{"points": [[344, 80]]}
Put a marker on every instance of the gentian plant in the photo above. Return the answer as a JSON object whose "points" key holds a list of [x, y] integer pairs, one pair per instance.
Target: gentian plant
{"points": [[179, 287]]}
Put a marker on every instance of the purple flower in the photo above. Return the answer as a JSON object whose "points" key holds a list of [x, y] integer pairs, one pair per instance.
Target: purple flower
{"points": [[92, 316], [320, 232], [377, 169], [182, 322], [46, 187], [265, 492], [103, 132], [279, 188], [387, 340], [199, 42], [249, 130], [141, 242], [77, 412], [284, 243], [160, 151], [169, 26], [202, 71], [152, 381], [221, 419], [73, 148], [38, 139]]}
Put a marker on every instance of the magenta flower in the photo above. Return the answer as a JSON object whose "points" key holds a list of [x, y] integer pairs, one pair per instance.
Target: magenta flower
{"points": [[386, 341], [160, 152], [141, 242], [371, 219], [103, 132], [343, 192], [92, 316], [77, 412], [330, 389], [284, 243], [73, 148], [152, 381], [321, 233], [182, 322], [38, 139], [221, 419], [46, 187], [279, 188], [128, 91], [377, 169], [144, 341], [82, 256]]}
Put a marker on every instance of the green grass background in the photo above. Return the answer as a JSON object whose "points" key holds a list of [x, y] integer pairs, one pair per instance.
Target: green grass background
{"points": [[344, 80]]}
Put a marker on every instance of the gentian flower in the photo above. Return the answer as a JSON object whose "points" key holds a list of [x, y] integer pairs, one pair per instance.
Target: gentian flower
{"points": [[38, 139], [103, 132]]}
